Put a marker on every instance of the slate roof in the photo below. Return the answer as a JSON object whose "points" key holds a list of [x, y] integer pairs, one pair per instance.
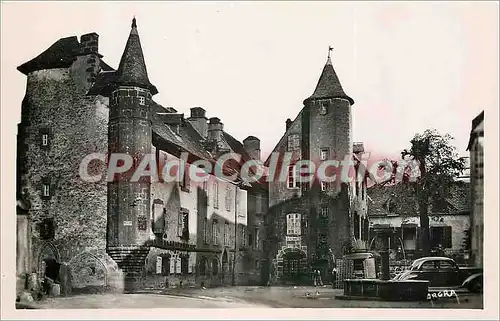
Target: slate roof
{"points": [[403, 200], [329, 85], [132, 69], [61, 54]]}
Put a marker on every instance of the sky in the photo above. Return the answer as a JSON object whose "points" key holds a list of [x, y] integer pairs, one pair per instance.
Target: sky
{"points": [[408, 66]]}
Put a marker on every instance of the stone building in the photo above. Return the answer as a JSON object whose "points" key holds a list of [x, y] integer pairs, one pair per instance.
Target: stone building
{"points": [[312, 222], [476, 149], [77, 112], [393, 207]]}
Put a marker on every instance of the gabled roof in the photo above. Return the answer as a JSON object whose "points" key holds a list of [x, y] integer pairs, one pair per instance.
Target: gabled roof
{"points": [[404, 202], [329, 85], [132, 69]]}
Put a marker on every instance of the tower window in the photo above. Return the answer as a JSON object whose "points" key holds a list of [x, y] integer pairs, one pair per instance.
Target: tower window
{"points": [[324, 153], [46, 190], [44, 136], [323, 110], [324, 186], [142, 100], [324, 211], [45, 139]]}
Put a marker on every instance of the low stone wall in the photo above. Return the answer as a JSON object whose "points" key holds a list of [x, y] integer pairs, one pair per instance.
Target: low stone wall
{"points": [[411, 290]]}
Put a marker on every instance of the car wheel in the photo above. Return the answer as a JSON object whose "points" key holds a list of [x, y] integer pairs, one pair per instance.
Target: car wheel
{"points": [[476, 286]]}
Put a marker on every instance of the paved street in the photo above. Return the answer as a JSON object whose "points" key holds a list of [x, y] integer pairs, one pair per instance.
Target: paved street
{"points": [[246, 297]]}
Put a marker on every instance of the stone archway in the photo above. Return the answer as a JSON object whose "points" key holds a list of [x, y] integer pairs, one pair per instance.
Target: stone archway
{"points": [[88, 270], [48, 255], [292, 266]]}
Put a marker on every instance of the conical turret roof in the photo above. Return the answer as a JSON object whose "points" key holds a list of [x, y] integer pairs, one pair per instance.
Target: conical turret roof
{"points": [[132, 69], [329, 85]]}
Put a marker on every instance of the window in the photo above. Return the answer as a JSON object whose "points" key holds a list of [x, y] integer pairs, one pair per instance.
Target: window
{"points": [[44, 136], [184, 264], [47, 229], [429, 266], [46, 190], [446, 266], [216, 195], [250, 239], [324, 153], [257, 264], [142, 223], [45, 139], [324, 186], [227, 237], [183, 224], [324, 211], [165, 264], [205, 231], [293, 175], [215, 231], [158, 219], [184, 182], [229, 198], [257, 238], [440, 235], [142, 100], [293, 142], [293, 224]]}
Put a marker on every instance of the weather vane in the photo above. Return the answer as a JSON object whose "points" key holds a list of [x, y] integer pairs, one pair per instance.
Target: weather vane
{"points": [[330, 48]]}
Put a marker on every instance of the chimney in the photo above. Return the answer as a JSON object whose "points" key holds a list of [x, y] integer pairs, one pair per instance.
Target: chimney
{"points": [[252, 146], [215, 128], [199, 121], [89, 44], [288, 123]]}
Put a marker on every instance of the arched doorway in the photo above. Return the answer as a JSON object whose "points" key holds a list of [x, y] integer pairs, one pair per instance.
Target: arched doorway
{"points": [[48, 261], [294, 266]]}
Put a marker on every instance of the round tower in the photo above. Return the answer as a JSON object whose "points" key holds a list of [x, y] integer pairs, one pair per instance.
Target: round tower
{"points": [[130, 132], [327, 122], [327, 136]]}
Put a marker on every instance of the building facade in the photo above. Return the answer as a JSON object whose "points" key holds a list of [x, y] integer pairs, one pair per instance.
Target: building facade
{"points": [[393, 208], [123, 232], [476, 149], [311, 222]]}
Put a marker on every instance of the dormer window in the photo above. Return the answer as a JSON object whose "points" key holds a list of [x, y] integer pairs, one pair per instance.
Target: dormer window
{"points": [[142, 101]]}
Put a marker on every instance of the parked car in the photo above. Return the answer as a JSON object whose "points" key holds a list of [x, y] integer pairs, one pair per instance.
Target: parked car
{"points": [[443, 272]]}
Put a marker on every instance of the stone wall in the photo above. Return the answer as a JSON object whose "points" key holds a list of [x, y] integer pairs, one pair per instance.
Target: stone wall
{"points": [[55, 104]]}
